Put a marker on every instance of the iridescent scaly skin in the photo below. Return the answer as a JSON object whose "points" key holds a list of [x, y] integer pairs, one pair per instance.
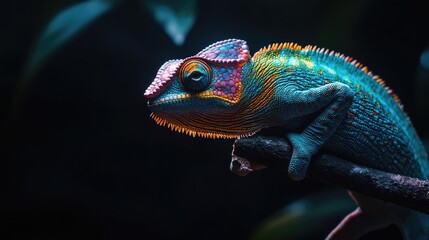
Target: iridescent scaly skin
{"points": [[325, 101]]}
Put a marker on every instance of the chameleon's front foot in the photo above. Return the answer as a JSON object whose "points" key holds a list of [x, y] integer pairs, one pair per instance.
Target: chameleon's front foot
{"points": [[301, 156], [298, 168], [333, 102]]}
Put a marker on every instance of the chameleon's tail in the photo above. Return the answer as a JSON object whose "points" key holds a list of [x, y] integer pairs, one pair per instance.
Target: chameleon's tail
{"points": [[374, 214]]}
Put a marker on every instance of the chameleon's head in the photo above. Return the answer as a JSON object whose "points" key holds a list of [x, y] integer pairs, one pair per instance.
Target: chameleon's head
{"points": [[201, 95]]}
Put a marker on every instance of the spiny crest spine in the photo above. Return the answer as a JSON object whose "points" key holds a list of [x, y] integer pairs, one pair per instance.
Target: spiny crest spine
{"points": [[276, 47]]}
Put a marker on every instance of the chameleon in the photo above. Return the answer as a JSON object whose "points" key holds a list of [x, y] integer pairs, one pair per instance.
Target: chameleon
{"points": [[325, 101]]}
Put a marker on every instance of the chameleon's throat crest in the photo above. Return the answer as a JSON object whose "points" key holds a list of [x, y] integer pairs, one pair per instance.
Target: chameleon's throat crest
{"points": [[175, 126]]}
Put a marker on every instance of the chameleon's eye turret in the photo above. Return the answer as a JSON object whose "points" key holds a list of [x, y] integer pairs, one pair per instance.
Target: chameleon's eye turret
{"points": [[195, 75]]}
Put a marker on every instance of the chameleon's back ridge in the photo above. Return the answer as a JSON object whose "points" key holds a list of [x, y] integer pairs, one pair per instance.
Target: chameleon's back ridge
{"points": [[324, 100]]}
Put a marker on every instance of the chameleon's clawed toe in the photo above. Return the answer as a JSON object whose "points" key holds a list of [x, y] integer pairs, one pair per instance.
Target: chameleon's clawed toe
{"points": [[297, 170]]}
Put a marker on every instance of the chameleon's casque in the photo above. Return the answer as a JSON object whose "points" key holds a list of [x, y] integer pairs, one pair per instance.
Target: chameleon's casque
{"points": [[324, 100]]}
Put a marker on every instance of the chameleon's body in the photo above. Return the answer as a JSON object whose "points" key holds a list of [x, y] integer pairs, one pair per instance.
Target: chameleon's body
{"points": [[324, 100]]}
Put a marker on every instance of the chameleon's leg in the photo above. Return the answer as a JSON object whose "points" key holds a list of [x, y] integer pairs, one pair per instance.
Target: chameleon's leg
{"points": [[373, 214], [363, 219], [355, 225], [333, 101]]}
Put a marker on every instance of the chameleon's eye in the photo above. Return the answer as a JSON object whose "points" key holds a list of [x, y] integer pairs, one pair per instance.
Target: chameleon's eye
{"points": [[195, 75]]}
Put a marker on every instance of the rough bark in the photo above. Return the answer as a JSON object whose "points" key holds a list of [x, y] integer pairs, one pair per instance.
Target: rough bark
{"points": [[250, 154]]}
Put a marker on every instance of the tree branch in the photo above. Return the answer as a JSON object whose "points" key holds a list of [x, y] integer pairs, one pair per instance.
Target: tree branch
{"points": [[254, 153]]}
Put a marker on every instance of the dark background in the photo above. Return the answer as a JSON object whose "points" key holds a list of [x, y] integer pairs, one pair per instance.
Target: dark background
{"points": [[82, 158]]}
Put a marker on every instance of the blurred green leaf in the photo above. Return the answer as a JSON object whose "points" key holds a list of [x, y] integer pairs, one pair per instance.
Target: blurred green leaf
{"points": [[306, 217], [175, 16], [63, 27]]}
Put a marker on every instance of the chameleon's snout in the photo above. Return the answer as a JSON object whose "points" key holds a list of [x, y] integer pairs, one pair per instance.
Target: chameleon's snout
{"points": [[163, 78]]}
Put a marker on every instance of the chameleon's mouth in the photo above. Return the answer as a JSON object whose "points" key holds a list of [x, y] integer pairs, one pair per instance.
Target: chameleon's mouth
{"points": [[167, 100], [153, 102]]}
